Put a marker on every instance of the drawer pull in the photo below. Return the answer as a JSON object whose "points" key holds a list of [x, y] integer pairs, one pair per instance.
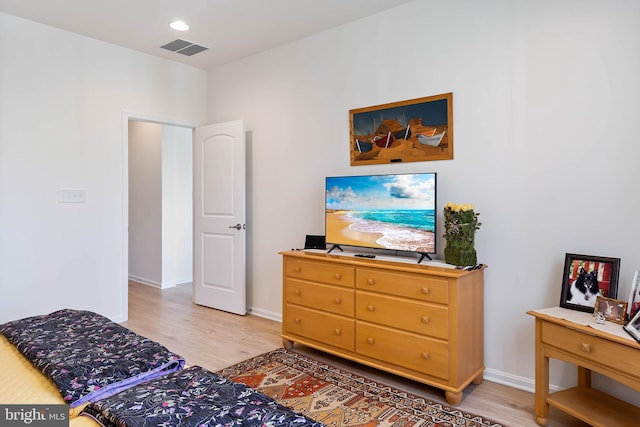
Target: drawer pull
{"points": [[425, 291], [370, 282], [338, 301], [338, 332], [425, 356], [370, 307], [298, 320], [297, 269], [338, 276], [425, 319], [297, 292], [585, 347], [370, 341]]}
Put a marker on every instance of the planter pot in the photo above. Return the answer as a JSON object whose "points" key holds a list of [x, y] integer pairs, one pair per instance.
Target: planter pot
{"points": [[460, 252], [462, 257]]}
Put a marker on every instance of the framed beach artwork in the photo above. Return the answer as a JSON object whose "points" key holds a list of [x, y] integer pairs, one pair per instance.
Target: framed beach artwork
{"points": [[415, 130], [586, 278]]}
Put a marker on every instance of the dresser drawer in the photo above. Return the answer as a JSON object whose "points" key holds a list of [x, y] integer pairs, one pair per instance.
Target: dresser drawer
{"points": [[417, 286], [327, 328], [333, 274], [405, 349], [420, 317], [334, 299], [592, 348]]}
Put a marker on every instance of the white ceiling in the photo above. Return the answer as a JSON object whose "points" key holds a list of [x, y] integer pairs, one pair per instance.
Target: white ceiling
{"points": [[231, 29]]}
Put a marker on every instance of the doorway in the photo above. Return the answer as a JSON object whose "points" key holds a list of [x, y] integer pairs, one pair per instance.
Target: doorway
{"points": [[160, 205]]}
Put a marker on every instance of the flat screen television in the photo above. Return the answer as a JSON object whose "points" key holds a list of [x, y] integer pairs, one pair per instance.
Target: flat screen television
{"points": [[394, 212]]}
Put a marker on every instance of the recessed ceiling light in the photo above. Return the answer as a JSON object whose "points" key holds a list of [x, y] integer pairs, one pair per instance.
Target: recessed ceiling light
{"points": [[179, 25]]}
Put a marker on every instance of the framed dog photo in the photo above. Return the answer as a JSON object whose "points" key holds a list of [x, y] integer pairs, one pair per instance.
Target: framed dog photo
{"points": [[613, 310], [585, 278], [633, 327]]}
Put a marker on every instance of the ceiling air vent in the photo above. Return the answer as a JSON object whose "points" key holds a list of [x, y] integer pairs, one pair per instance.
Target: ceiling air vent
{"points": [[184, 47]]}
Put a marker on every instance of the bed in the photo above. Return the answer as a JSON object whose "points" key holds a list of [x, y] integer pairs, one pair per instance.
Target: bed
{"points": [[85, 355], [110, 376]]}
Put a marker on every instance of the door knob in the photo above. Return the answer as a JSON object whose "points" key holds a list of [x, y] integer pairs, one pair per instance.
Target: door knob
{"points": [[237, 226]]}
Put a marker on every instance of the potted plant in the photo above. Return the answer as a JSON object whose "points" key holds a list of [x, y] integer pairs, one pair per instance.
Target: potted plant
{"points": [[460, 224]]}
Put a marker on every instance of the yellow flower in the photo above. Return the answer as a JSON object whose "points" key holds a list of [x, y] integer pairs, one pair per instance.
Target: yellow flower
{"points": [[460, 221], [458, 208]]}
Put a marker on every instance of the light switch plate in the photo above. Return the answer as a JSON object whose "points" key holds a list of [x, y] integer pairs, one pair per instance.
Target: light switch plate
{"points": [[71, 195]]}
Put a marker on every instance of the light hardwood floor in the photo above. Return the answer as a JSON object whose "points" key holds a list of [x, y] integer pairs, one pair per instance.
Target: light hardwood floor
{"points": [[214, 339]]}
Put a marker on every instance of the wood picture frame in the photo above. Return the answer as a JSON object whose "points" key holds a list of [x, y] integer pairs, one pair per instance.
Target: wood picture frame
{"points": [[611, 309], [415, 130], [585, 278], [633, 326], [634, 296]]}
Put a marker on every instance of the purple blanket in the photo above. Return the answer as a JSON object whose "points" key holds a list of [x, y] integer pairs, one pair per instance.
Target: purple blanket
{"points": [[88, 356]]}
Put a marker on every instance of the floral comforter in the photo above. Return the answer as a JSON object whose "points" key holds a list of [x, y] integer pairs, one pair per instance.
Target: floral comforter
{"points": [[193, 397], [88, 356]]}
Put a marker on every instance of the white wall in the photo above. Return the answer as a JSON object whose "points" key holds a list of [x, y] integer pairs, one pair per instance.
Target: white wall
{"points": [[545, 97], [177, 206], [145, 202], [160, 204], [62, 102]]}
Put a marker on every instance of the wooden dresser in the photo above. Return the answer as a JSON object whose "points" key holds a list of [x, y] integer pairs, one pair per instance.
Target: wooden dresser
{"points": [[415, 320]]}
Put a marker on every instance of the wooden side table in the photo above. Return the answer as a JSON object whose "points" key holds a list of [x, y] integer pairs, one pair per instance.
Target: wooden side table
{"points": [[574, 337]]}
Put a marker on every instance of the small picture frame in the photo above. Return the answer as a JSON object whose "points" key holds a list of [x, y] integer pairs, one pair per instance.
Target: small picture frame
{"points": [[633, 327], [634, 296], [611, 309], [585, 278]]}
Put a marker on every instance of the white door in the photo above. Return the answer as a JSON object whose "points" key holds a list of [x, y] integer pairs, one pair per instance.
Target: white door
{"points": [[219, 217]]}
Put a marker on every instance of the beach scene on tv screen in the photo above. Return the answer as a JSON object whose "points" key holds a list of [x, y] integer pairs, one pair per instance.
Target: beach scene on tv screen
{"points": [[395, 212]]}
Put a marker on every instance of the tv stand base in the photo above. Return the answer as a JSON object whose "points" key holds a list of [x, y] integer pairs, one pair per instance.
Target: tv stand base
{"points": [[424, 255], [335, 247]]}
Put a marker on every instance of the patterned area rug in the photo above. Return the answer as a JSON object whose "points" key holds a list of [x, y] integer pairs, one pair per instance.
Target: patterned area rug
{"points": [[339, 398]]}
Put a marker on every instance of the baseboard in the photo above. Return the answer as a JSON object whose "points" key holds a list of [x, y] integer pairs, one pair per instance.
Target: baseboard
{"points": [[144, 281], [266, 314], [515, 381], [174, 283], [117, 319]]}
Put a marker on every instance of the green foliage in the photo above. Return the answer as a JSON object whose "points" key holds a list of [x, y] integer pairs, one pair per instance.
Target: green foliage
{"points": [[460, 256], [461, 224]]}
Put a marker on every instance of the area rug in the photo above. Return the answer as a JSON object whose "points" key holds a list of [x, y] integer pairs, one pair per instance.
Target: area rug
{"points": [[338, 398]]}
